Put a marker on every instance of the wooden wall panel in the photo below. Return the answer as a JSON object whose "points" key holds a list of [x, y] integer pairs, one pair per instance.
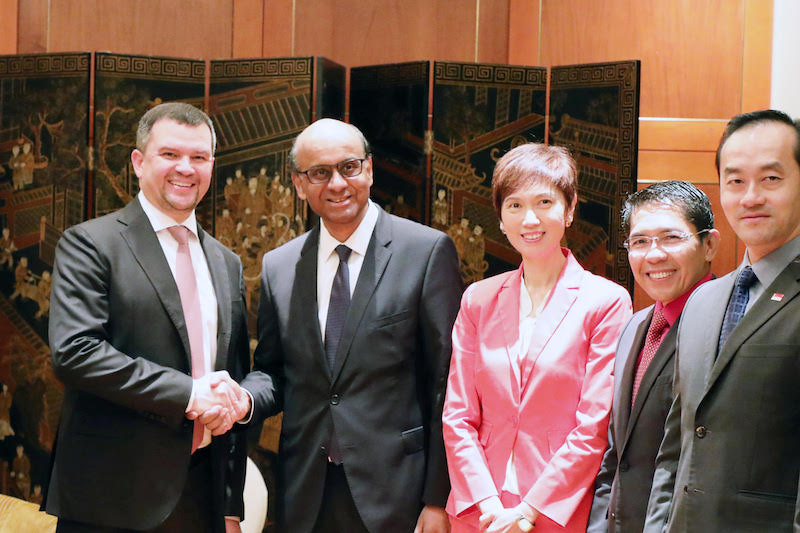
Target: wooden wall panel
{"points": [[493, 31], [523, 32], [691, 51], [357, 33], [278, 28], [32, 29], [248, 28], [8, 26], [200, 29], [757, 55]]}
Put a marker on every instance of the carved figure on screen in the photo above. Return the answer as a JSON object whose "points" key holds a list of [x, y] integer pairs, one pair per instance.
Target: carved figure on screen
{"points": [[401, 208], [473, 262], [232, 194], [27, 163], [21, 474], [441, 209], [226, 229], [36, 495], [42, 295], [17, 167], [7, 249], [23, 280], [6, 400], [460, 233]]}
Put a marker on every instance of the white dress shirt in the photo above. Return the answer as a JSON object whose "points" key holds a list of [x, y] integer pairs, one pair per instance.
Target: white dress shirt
{"points": [[328, 259], [205, 288]]}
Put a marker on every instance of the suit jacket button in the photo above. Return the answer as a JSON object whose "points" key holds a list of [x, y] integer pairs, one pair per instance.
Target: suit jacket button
{"points": [[323, 450], [623, 466], [700, 432], [335, 399]]}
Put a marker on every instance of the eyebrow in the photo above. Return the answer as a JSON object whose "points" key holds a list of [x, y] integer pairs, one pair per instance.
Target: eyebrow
{"points": [[773, 165]]}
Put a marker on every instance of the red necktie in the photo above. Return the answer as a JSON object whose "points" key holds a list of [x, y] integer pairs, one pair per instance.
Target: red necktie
{"points": [[651, 344], [190, 301]]}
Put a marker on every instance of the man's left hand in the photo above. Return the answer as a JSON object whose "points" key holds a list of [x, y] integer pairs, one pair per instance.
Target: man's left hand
{"points": [[433, 519]]}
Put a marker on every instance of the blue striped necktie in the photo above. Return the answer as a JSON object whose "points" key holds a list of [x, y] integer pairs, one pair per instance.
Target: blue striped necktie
{"points": [[737, 304]]}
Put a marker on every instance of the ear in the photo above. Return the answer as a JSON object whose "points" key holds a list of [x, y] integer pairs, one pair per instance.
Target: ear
{"points": [[137, 158], [298, 186], [711, 244], [502, 229], [368, 170]]}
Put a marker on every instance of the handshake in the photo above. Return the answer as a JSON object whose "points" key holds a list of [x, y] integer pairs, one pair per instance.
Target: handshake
{"points": [[218, 402]]}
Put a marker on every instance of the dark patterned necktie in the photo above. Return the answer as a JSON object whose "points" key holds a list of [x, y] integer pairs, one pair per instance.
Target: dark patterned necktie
{"points": [[737, 304], [338, 305], [651, 343]]}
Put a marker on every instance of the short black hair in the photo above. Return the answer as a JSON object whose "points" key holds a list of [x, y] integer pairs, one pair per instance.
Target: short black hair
{"points": [[181, 113], [756, 117], [682, 195]]}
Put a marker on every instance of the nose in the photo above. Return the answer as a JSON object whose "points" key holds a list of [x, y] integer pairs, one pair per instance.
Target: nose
{"points": [[655, 253], [753, 195], [530, 218], [184, 165], [337, 181]]}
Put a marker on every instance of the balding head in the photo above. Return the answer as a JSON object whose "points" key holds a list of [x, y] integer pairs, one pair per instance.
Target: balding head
{"points": [[329, 128]]}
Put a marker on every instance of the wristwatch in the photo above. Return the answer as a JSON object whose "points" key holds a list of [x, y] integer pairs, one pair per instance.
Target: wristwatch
{"points": [[524, 524]]}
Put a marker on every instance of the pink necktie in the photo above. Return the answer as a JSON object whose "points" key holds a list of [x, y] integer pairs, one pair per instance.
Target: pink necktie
{"points": [[190, 301], [651, 344]]}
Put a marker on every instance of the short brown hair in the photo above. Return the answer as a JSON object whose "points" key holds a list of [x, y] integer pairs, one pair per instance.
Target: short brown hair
{"points": [[181, 113], [533, 163]]}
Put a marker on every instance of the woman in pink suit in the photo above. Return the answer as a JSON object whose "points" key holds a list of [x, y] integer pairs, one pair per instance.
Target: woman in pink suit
{"points": [[530, 384]]}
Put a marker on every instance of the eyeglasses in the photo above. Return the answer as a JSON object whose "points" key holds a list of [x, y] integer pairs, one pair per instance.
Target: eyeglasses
{"points": [[349, 168], [671, 241]]}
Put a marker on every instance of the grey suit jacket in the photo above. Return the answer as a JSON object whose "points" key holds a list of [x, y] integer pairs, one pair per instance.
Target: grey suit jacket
{"points": [[119, 343], [384, 396], [730, 459], [626, 474]]}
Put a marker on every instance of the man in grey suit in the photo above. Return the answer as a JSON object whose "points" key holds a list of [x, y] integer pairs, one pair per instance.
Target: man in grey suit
{"points": [[354, 327], [671, 243], [147, 326], [730, 459]]}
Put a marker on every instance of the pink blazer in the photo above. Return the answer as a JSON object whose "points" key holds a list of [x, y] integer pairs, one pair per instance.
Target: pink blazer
{"points": [[556, 421]]}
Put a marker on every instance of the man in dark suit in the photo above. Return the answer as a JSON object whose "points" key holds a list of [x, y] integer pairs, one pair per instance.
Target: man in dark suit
{"points": [[671, 243], [730, 459], [147, 324], [354, 347]]}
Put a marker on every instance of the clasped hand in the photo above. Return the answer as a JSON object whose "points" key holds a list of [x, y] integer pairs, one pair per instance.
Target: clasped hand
{"points": [[219, 402], [495, 518]]}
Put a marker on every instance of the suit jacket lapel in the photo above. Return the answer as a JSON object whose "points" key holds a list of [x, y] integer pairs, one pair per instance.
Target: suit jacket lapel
{"points": [[144, 245], [622, 396], [508, 305], [222, 291], [788, 284], [564, 294], [664, 354], [377, 257], [304, 294]]}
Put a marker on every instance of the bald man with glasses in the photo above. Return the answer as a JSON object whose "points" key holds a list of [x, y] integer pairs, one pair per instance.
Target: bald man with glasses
{"points": [[354, 347]]}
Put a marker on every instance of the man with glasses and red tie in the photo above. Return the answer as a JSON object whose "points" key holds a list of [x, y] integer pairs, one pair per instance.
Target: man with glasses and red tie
{"points": [[730, 458], [354, 328], [671, 242], [147, 330]]}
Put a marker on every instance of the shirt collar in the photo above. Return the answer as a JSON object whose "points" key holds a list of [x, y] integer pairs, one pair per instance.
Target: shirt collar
{"points": [[771, 265], [673, 310], [161, 221], [358, 241]]}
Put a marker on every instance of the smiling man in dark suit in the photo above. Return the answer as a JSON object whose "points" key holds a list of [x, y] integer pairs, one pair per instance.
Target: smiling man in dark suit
{"points": [[354, 346], [147, 324], [671, 243], [730, 459]]}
